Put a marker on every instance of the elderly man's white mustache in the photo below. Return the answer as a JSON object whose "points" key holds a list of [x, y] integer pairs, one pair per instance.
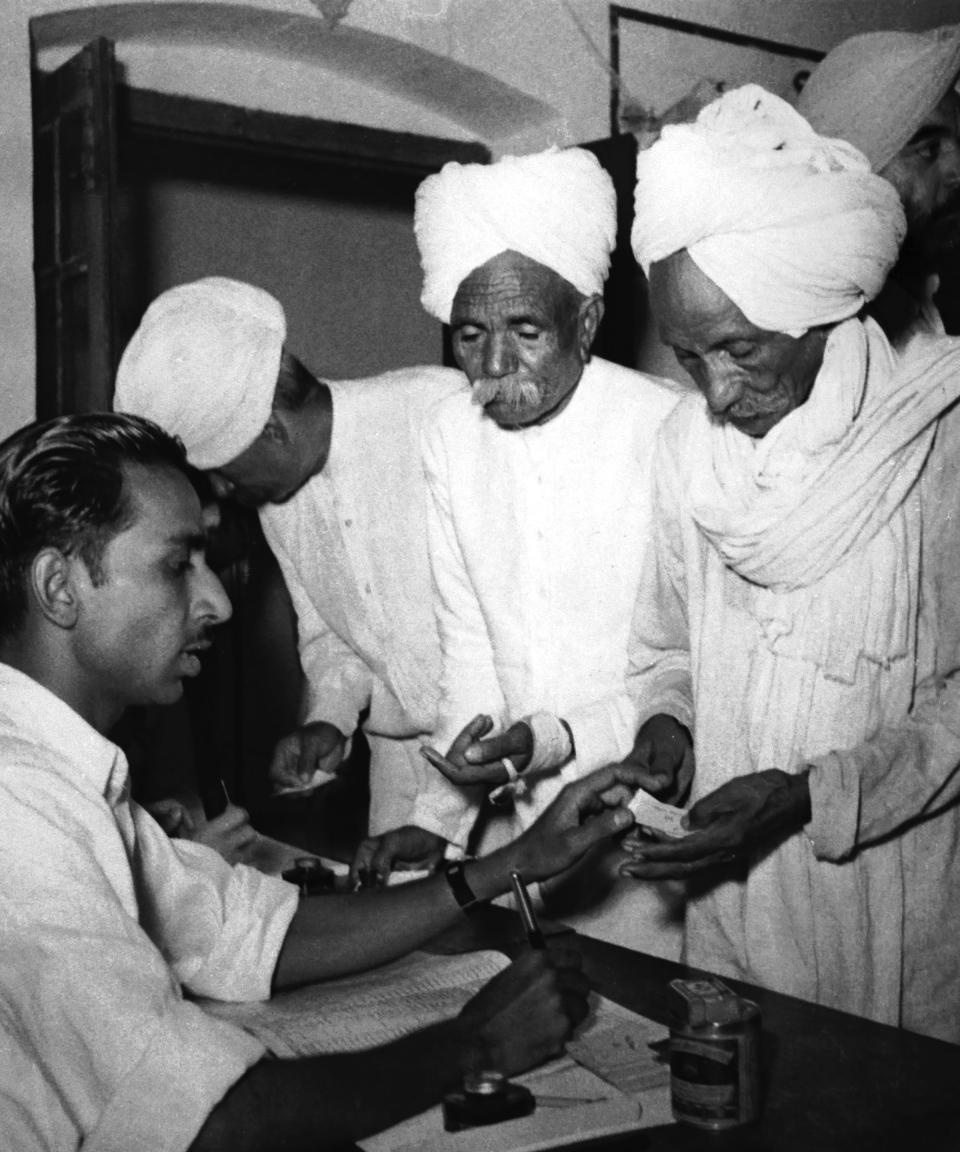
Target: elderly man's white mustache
{"points": [[513, 391]]}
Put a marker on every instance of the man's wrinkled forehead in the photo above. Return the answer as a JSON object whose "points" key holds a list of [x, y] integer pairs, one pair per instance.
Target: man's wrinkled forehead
{"points": [[514, 286]]}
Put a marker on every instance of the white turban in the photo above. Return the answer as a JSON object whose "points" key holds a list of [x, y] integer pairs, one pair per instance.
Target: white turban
{"points": [[793, 227], [203, 365], [556, 207], [877, 89]]}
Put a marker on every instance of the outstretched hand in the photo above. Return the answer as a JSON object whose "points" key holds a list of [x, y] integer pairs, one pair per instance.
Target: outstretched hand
{"points": [[585, 813], [749, 812], [471, 759]]}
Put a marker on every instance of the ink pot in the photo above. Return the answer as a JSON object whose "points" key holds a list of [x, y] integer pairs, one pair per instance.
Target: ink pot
{"points": [[714, 1056], [486, 1098]]}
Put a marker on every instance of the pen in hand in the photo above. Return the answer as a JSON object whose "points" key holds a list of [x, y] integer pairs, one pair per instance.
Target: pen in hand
{"points": [[535, 937]]}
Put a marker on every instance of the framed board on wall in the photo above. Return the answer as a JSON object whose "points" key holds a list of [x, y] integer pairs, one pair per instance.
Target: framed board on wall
{"points": [[657, 61]]}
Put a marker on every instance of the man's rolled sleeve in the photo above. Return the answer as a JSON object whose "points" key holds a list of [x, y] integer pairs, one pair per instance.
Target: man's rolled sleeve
{"points": [[237, 925], [834, 806], [446, 811]]}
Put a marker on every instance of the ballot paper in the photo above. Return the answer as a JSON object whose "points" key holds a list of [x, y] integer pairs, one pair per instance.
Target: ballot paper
{"points": [[649, 812]]}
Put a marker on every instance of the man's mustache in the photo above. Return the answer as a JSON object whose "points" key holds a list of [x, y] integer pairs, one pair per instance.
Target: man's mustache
{"points": [[514, 391]]}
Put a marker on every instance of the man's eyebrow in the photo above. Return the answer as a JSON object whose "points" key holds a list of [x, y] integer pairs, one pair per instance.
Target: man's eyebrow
{"points": [[195, 541], [929, 132]]}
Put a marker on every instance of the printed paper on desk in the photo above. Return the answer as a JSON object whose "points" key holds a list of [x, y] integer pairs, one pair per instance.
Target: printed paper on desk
{"points": [[649, 812], [363, 1011], [545, 1128], [615, 1045]]}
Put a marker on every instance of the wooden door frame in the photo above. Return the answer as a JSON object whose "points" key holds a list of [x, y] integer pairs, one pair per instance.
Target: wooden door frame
{"points": [[143, 113], [184, 118]]}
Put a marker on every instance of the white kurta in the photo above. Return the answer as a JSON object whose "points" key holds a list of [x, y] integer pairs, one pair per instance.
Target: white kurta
{"points": [[537, 537], [103, 918], [862, 912], [351, 545]]}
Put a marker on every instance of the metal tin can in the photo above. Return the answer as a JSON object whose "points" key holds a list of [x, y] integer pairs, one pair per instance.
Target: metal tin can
{"points": [[715, 1070]]}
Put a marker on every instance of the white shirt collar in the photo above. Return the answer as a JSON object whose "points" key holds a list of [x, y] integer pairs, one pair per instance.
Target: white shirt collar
{"points": [[34, 713]]}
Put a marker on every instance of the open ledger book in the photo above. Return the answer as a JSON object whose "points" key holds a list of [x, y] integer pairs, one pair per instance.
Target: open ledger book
{"points": [[609, 1081]]}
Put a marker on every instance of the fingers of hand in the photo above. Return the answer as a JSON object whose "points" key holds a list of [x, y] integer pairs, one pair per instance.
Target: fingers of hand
{"points": [[230, 818], [362, 858], [610, 822], [677, 869], [650, 859], [172, 817], [478, 727], [441, 763], [573, 989], [390, 849], [516, 742]]}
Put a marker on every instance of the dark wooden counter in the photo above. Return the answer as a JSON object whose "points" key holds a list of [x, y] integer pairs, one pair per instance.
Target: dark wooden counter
{"points": [[833, 1082]]}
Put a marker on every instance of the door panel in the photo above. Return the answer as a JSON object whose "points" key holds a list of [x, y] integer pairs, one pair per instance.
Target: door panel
{"points": [[74, 180]]}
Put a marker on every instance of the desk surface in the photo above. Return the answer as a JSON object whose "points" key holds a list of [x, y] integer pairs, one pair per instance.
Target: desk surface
{"points": [[833, 1082]]}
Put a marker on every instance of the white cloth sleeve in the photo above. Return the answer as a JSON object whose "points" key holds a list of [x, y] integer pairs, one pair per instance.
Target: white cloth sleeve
{"points": [[903, 773], [658, 673], [339, 683], [469, 682]]}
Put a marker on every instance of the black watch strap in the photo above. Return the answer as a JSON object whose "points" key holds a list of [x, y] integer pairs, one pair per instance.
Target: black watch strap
{"points": [[462, 892]]}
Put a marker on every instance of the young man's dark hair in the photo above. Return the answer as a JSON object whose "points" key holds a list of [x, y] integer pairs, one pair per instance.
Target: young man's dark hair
{"points": [[62, 484]]}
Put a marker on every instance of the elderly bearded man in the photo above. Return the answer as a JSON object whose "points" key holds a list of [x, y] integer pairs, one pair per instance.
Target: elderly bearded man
{"points": [[807, 542], [893, 95], [334, 468], [539, 514]]}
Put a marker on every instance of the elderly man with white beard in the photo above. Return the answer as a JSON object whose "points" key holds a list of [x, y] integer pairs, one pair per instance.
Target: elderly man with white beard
{"points": [[807, 544], [539, 516]]}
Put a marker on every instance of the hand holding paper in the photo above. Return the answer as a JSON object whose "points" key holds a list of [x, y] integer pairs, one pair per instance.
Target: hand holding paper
{"points": [[649, 812]]}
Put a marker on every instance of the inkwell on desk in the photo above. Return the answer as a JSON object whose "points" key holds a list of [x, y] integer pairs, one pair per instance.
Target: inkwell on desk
{"points": [[714, 1051], [487, 1097]]}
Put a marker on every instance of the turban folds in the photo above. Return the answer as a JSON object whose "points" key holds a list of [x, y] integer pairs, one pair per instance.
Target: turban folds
{"points": [[556, 207], [203, 365], [877, 89], [792, 226]]}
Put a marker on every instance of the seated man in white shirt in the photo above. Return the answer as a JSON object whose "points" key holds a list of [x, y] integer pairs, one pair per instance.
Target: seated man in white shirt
{"points": [[539, 517], [334, 469], [106, 601]]}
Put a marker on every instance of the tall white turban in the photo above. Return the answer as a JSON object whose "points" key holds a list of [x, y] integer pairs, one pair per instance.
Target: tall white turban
{"points": [[203, 365], [792, 226], [556, 207], [875, 90]]}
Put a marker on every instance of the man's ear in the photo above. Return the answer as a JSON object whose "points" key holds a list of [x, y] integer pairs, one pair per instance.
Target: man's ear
{"points": [[51, 586], [591, 313]]}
